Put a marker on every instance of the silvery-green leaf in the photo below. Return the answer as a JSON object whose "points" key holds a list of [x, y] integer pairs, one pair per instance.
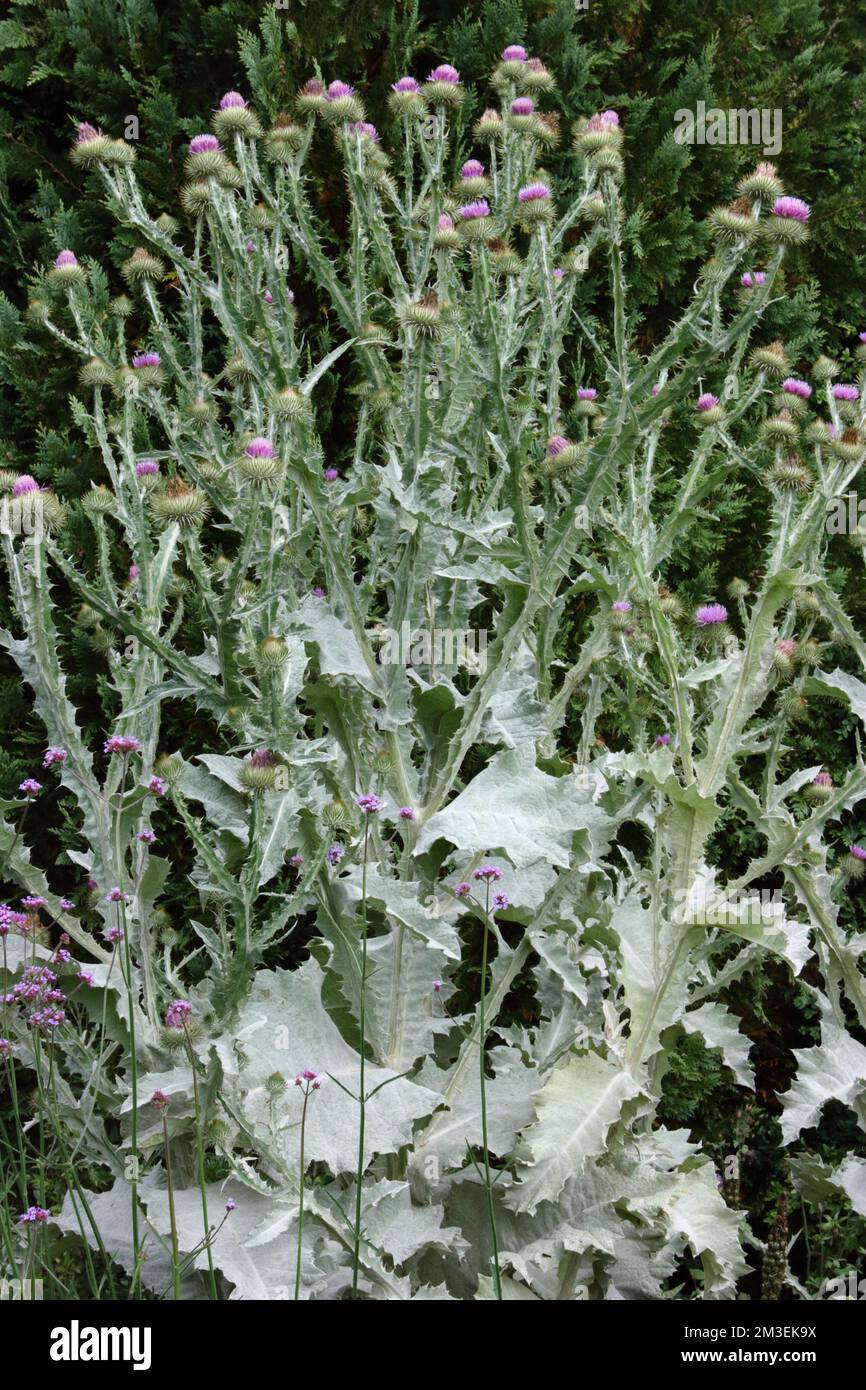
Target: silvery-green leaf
{"points": [[719, 1029], [833, 1070]]}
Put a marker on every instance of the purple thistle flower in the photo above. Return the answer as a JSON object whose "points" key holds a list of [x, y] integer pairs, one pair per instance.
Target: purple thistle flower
{"points": [[204, 144], [370, 804], [318, 592], [794, 387], [620, 605], [66, 905], [259, 449], [405, 84], [176, 1015], [710, 613], [602, 120], [487, 872], [533, 193], [268, 297], [862, 337], [662, 740], [24, 484], [462, 890], [337, 90], [250, 247], [857, 851], [146, 837], [753, 278], [296, 861], [558, 273], [263, 757], [587, 393], [514, 53], [843, 392], [86, 132], [472, 169], [707, 401], [822, 779], [331, 475], [134, 572], [146, 468], [92, 885], [116, 895], [522, 106], [30, 787], [444, 73], [556, 444], [146, 359], [121, 743], [444, 223], [407, 813], [478, 208], [364, 128], [232, 100], [65, 258], [335, 854], [793, 208]]}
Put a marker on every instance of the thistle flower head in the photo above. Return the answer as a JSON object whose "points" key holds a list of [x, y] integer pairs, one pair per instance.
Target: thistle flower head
{"points": [[522, 106], [794, 387], [204, 144], [405, 84], [444, 73], [753, 278], [620, 605], [845, 392], [711, 613], [259, 448], [146, 359], [24, 484], [587, 393], [533, 192], [662, 740], [514, 53], [472, 211], [473, 169], [857, 852], [65, 258], [232, 101], [706, 401], [792, 208], [146, 468]]}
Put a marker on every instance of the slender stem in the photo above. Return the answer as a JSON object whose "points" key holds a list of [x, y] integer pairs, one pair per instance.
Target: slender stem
{"points": [[199, 1146], [362, 1098], [301, 1201], [482, 1057], [172, 1216]]}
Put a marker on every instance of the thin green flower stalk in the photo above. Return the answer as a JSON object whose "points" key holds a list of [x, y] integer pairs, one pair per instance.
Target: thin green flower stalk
{"points": [[177, 1019], [309, 1082], [370, 805], [161, 1102]]}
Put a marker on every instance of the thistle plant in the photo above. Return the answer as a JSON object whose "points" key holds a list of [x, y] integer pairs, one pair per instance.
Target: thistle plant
{"points": [[312, 440]]}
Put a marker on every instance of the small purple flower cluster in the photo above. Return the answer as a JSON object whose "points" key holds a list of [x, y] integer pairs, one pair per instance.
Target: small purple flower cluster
{"points": [[37, 993]]}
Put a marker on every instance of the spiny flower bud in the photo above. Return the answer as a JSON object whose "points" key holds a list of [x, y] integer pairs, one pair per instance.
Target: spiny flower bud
{"points": [[260, 773], [789, 474], [503, 258], [119, 155], [90, 146], [342, 104], [784, 656], [734, 222], [289, 403], [206, 158], [473, 180], [824, 368], [489, 125], [234, 117], [793, 705], [424, 313], [442, 87], [772, 359], [534, 77], [337, 815], [180, 502], [273, 653], [600, 132], [406, 98], [100, 501], [445, 238], [821, 787], [66, 271], [196, 197], [788, 221], [782, 426], [275, 1084], [285, 138], [849, 447], [737, 589], [763, 183], [142, 265], [96, 373]]}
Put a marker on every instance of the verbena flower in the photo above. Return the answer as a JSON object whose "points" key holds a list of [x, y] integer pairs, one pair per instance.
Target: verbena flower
{"points": [[462, 890], [66, 905], [147, 837], [121, 743], [177, 1014], [501, 901], [407, 813], [116, 895], [114, 935], [30, 787], [34, 1215], [33, 902], [370, 804], [335, 854], [486, 872]]}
